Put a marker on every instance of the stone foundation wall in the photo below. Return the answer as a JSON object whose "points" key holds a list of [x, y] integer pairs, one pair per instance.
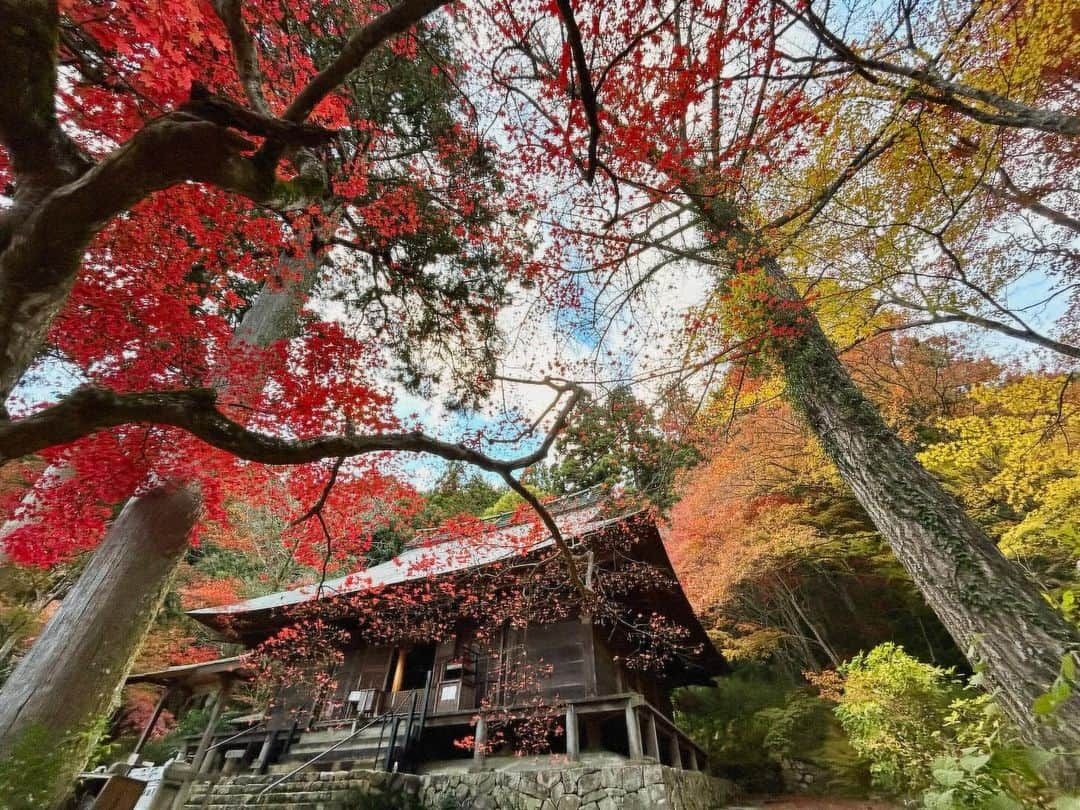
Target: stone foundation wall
{"points": [[801, 777], [625, 787]]}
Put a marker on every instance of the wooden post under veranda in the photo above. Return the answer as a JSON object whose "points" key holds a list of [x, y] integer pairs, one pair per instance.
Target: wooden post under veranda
{"points": [[201, 761], [633, 731], [148, 729]]}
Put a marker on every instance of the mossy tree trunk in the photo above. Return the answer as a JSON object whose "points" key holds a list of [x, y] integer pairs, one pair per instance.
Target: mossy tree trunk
{"points": [[992, 609], [994, 612], [115, 600], [54, 704]]}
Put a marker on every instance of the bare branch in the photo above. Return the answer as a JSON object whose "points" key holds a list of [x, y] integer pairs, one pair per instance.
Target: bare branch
{"points": [[926, 84]]}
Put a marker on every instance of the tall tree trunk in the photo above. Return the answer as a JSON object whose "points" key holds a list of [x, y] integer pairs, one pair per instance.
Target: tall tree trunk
{"points": [[40, 689], [54, 704], [988, 605]]}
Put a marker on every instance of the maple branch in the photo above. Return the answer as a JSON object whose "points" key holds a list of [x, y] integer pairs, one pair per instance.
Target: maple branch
{"points": [[44, 251], [92, 408], [585, 84], [317, 507], [244, 53], [225, 112], [62, 200], [42, 155], [552, 527], [246, 58], [396, 20]]}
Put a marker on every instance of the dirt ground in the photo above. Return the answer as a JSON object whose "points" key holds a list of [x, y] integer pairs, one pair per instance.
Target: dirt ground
{"points": [[813, 803]]}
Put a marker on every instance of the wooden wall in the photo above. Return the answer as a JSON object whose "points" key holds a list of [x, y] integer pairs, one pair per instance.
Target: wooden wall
{"points": [[568, 660]]}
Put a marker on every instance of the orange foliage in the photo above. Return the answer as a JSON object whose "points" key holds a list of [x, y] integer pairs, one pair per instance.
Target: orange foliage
{"points": [[735, 514], [756, 506], [211, 593]]}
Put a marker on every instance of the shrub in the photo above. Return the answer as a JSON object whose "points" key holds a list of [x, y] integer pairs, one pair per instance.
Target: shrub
{"points": [[721, 720], [925, 732], [893, 709], [747, 725]]}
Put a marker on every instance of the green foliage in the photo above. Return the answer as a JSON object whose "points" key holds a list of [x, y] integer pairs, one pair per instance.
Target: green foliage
{"points": [[1060, 690], [219, 562], [26, 776], [456, 494], [161, 750], [925, 732], [976, 778], [620, 441], [748, 724], [194, 722], [893, 709], [721, 719], [386, 543], [510, 500], [798, 726]]}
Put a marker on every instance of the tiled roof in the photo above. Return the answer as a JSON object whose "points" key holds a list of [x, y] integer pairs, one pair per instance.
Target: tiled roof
{"points": [[434, 552]]}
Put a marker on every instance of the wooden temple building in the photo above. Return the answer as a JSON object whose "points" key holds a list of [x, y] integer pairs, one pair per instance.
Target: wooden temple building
{"points": [[407, 703]]}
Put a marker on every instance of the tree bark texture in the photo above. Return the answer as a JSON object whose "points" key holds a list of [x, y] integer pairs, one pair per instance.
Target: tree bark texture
{"points": [[991, 608], [64, 688], [46, 676]]}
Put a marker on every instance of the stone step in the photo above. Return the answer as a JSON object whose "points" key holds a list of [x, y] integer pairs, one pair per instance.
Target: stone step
{"points": [[302, 781], [327, 736], [307, 750], [335, 794]]}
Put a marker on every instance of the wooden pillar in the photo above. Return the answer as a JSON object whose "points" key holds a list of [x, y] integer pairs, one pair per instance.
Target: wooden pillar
{"points": [[692, 755], [263, 759], [573, 745], [201, 761], [149, 727], [652, 742], [480, 743], [399, 671], [633, 731], [676, 751]]}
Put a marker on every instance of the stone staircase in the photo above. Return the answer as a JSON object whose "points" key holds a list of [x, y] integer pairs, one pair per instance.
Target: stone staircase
{"points": [[359, 752], [309, 790]]}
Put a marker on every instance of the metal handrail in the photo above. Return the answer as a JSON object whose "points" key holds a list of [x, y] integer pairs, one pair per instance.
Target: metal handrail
{"points": [[395, 714], [414, 728], [240, 733], [392, 712]]}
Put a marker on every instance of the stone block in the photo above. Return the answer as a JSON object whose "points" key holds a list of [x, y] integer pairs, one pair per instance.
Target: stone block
{"points": [[589, 782], [548, 779], [652, 774]]}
